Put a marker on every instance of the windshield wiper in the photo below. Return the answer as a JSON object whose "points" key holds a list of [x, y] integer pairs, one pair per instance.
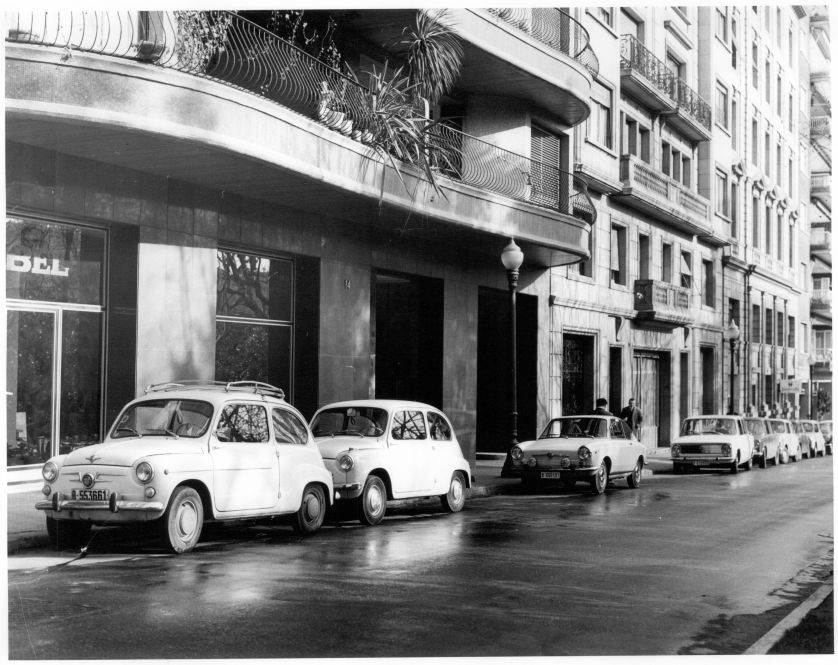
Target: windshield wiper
{"points": [[128, 429]]}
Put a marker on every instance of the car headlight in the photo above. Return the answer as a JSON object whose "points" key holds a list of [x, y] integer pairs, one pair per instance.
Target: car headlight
{"points": [[516, 453], [675, 450], [584, 453], [49, 472], [345, 462], [144, 471], [726, 449]]}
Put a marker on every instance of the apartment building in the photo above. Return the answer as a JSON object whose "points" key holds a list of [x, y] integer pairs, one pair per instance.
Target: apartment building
{"points": [[820, 239], [192, 195], [198, 195]]}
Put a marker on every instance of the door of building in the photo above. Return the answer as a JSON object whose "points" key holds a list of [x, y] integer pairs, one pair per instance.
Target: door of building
{"points": [[646, 395]]}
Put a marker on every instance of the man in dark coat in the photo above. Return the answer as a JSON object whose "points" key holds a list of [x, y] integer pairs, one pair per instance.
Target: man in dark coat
{"points": [[602, 407], [633, 417]]}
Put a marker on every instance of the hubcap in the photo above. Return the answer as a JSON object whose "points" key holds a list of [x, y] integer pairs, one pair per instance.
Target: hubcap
{"points": [[456, 490], [374, 500], [312, 506], [187, 520]]}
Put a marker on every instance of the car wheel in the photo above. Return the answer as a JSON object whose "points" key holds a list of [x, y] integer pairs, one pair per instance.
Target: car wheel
{"points": [[183, 520], [748, 465], [312, 511], [763, 460], [372, 504], [829, 449], [633, 478], [777, 456], [454, 500], [67, 534], [600, 479], [734, 466]]}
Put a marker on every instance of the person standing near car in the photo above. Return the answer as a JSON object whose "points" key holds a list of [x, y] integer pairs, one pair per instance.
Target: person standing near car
{"points": [[602, 407], [633, 417]]}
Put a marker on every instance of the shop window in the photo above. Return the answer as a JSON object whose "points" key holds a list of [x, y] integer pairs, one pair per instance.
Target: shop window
{"points": [[254, 318]]}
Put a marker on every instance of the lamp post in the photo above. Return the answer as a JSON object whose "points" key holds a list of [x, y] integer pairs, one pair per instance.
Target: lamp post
{"points": [[731, 335], [512, 257]]}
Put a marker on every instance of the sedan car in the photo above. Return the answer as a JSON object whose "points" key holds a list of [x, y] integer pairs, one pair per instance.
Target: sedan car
{"points": [[186, 452], [825, 426], [592, 448], [378, 450], [788, 439], [713, 441], [812, 441]]}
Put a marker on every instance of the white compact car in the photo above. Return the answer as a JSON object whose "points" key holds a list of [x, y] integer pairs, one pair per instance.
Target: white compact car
{"points": [[390, 449], [186, 452], [713, 441], [592, 448]]}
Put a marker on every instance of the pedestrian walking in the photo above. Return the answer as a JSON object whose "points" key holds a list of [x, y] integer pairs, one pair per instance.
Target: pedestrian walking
{"points": [[633, 417], [602, 407]]}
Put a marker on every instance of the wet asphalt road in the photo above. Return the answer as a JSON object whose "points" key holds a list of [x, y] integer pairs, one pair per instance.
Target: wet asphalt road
{"points": [[697, 564]]}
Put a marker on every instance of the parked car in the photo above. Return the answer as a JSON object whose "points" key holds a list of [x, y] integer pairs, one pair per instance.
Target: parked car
{"points": [[825, 426], [186, 452], [592, 448], [812, 441], [767, 444], [713, 441], [377, 450], [789, 440]]}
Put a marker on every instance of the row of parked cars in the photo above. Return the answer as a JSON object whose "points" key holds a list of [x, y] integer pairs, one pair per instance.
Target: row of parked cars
{"points": [[187, 452]]}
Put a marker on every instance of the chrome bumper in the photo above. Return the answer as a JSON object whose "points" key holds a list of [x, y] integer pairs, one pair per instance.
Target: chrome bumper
{"points": [[114, 505]]}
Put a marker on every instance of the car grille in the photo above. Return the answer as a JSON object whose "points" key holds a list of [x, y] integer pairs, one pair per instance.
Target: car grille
{"points": [[702, 449]]}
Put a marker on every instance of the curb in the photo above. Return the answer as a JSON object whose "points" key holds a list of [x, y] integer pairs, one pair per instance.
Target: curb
{"points": [[763, 645]]}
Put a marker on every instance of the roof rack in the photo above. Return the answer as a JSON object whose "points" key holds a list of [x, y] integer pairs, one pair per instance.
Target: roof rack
{"points": [[256, 387]]}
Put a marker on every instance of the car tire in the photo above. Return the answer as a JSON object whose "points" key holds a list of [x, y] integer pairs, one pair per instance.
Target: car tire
{"points": [[748, 465], [734, 466], [67, 534], [455, 498], [763, 460], [183, 520], [600, 479], [372, 504], [777, 456], [312, 511], [633, 479]]}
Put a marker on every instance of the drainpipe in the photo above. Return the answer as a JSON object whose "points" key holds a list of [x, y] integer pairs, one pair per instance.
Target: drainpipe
{"points": [[746, 382]]}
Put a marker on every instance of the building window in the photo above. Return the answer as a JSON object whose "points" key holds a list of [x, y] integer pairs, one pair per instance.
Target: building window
{"points": [[804, 336], [756, 330], [767, 152], [755, 62], [791, 175], [686, 270], [619, 257], [781, 333], [600, 121], [721, 23], [768, 81], [734, 210], [791, 110], [779, 173], [631, 26], [643, 256], [768, 229], [791, 44], [755, 226], [686, 171], [666, 262], [709, 283], [254, 312], [545, 150], [780, 228], [754, 142], [734, 121], [722, 200], [769, 326], [791, 244], [791, 332], [734, 42], [721, 106], [636, 139], [586, 266], [780, 94], [605, 14]]}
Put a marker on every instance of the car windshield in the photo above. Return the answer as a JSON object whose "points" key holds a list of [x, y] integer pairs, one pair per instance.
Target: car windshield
{"points": [[576, 426], [164, 417], [755, 427], [778, 426], [353, 420], [693, 426]]}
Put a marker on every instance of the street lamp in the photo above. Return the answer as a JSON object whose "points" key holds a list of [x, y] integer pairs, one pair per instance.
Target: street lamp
{"points": [[512, 257], [731, 335]]}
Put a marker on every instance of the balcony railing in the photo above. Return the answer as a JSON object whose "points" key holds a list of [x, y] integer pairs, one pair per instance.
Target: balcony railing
{"points": [[822, 297], [635, 56], [228, 48], [661, 301], [820, 127], [554, 28], [692, 104], [821, 181], [820, 237]]}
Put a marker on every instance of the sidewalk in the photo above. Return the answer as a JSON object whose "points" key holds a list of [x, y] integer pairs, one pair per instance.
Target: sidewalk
{"points": [[26, 529]]}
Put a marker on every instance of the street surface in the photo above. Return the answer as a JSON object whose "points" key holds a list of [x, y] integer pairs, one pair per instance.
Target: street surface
{"points": [[697, 564]]}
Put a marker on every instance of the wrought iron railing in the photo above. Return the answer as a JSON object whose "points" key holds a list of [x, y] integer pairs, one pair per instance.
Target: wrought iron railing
{"points": [[554, 28], [692, 103], [821, 127], [821, 181], [822, 297], [636, 57], [223, 46]]}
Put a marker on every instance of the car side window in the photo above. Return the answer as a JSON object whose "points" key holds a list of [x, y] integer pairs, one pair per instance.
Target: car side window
{"points": [[616, 429], [626, 429], [439, 427], [288, 428], [408, 426], [243, 423]]}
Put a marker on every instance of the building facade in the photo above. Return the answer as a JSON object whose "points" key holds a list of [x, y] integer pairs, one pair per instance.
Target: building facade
{"points": [[195, 195]]}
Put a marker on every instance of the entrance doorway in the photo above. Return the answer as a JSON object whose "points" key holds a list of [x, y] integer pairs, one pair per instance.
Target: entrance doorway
{"points": [[578, 375], [494, 369], [407, 337], [653, 396]]}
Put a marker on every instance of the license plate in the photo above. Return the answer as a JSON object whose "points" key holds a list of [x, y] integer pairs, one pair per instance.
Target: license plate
{"points": [[90, 495], [551, 474]]}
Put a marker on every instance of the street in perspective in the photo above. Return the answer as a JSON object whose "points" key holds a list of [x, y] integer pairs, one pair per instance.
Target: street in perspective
{"points": [[412, 332]]}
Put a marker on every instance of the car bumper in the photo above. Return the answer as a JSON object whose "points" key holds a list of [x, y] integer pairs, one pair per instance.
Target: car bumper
{"points": [[60, 502], [704, 460], [585, 473], [347, 491]]}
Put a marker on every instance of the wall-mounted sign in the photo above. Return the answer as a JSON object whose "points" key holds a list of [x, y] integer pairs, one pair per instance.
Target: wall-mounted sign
{"points": [[790, 386], [37, 265]]}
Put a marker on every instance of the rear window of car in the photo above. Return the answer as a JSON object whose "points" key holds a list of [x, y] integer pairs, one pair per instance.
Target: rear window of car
{"points": [[756, 427], [726, 426], [778, 426]]}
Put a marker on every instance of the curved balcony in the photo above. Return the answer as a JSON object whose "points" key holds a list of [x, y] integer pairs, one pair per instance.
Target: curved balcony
{"points": [[541, 56], [239, 115]]}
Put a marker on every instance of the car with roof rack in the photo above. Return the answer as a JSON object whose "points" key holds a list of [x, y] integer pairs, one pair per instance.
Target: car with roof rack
{"points": [[186, 452], [378, 449]]}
